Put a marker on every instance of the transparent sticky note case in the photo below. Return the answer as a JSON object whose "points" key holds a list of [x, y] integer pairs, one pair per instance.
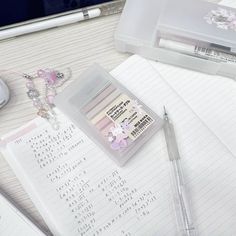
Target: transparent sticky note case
{"points": [[117, 121]]}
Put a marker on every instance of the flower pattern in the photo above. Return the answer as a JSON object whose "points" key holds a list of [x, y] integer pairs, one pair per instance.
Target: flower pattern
{"points": [[222, 18], [118, 135]]}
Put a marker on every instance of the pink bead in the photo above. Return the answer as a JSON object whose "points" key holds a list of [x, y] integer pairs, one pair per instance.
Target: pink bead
{"points": [[48, 75], [52, 78], [50, 99]]}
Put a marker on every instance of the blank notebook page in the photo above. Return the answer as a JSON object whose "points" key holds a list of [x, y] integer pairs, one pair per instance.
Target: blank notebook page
{"points": [[212, 99], [78, 190]]}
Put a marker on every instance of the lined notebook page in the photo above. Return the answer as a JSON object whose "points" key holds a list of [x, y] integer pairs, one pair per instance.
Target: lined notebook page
{"points": [[209, 166], [78, 190], [212, 98], [13, 223]]}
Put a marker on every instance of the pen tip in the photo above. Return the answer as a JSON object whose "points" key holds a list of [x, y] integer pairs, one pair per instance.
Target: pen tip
{"points": [[165, 110], [165, 114]]}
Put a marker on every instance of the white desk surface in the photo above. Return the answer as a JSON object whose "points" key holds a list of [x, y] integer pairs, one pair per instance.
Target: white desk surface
{"points": [[76, 46]]}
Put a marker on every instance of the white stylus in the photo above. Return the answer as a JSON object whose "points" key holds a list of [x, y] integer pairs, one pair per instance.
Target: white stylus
{"points": [[50, 23]]}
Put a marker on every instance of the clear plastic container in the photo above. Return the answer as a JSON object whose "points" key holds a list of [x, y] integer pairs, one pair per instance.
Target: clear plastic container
{"points": [[108, 114], [190, 33]]}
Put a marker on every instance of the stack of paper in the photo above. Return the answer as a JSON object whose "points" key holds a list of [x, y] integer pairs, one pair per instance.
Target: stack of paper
{"points": [[78, 190]]}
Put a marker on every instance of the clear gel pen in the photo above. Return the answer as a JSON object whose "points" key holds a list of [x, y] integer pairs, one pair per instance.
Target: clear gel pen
{"points": [[180, 194]]}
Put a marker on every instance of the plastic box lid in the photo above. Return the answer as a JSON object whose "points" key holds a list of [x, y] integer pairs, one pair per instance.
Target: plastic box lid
{"points": [[199, 20]]}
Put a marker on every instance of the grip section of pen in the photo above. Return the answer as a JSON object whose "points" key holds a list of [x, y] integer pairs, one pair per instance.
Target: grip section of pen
{"points": [[171, 141], [181, 198]]}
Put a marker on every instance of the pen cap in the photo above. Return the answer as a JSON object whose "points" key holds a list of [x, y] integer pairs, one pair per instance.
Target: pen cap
{"points": [[147, 28]]}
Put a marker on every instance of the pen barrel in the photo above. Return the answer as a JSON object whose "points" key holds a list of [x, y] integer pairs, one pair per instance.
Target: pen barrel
{"points": [[182, 202], [181, 199], [171, 143]]}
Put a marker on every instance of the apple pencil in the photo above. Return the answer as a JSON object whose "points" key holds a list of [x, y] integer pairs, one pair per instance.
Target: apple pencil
{"points": [[49, 23]]}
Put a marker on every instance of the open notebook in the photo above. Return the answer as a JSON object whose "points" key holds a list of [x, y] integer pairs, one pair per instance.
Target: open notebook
{"points": [[79, 191]]}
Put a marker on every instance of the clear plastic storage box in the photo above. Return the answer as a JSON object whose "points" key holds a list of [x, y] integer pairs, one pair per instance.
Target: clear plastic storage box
{"points": [[190, 33]]}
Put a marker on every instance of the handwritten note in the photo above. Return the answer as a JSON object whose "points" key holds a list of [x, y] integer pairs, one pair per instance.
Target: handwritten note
{"points": [[84, 191]]}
